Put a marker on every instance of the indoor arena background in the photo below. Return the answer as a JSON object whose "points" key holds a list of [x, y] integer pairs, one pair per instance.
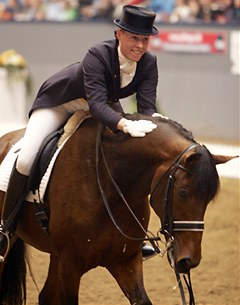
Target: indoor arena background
{"points": [[199, 88]]}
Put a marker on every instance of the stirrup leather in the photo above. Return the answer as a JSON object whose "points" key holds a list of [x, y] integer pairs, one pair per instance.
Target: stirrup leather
{"points": [[6, 235]]}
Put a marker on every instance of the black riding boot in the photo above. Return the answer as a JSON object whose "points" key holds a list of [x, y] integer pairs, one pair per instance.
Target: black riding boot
{"points": [[14, 197], [148, 251]]}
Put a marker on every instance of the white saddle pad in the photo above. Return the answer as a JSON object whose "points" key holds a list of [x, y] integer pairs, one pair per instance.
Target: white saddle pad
{"points": [[6, 169]]}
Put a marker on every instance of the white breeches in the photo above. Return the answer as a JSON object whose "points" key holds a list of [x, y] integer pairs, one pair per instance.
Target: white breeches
{"points": [[42, 123]]}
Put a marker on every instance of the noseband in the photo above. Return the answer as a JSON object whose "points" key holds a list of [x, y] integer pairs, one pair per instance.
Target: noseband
{"points": [[170, 225]]}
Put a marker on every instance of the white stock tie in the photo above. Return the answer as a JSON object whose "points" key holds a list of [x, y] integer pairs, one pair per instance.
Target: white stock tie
{"points": [[127, 69]]}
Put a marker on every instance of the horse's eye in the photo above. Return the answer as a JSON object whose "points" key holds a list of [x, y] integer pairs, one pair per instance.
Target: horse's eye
{"points": [[182, 194]]}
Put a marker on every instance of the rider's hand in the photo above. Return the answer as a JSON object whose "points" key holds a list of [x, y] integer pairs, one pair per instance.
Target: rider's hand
{"points": [[159, 115], [138, 128]]}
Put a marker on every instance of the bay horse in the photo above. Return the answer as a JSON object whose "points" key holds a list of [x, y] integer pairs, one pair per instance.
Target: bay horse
{"points": [[98, 206]]}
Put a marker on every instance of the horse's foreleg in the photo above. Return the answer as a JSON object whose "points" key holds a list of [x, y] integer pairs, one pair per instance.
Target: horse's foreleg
{"points": [[129, 276], [49, 293], [62, 284]]}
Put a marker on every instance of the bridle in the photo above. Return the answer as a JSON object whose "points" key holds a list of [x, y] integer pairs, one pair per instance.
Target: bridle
{"points": [[169, 225]]}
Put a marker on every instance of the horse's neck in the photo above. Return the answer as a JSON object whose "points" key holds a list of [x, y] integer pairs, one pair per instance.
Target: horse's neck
{"points": [[135, 161]]}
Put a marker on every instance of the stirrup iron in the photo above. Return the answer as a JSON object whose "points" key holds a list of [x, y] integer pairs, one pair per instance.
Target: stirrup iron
{"points": [[6, 235]]}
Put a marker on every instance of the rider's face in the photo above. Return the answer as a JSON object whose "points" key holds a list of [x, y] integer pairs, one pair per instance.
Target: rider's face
{"points": [[133, 46]]}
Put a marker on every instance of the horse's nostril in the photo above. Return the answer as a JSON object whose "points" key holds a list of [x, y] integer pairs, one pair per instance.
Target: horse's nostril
{"points": [[184, 265]]}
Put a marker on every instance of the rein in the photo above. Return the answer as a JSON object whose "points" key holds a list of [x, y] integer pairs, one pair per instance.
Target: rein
{"points": [[99, 149], [169, 225]]}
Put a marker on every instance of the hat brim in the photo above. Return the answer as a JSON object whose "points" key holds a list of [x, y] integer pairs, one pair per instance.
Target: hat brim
{"points": [[120, 24]]}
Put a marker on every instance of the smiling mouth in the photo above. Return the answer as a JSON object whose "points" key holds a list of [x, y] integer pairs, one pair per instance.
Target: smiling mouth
{"points": [[137, 54]]}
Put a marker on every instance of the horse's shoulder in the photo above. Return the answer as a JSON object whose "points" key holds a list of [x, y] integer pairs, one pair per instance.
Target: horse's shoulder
{"points": [[9, 139]]}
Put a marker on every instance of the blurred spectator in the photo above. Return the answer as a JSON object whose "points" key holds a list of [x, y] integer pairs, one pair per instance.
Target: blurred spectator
{"points": [[205, 11], [10, 9], [163, 9], [185, 11], [61, 10], [235, 11], [31, 10], [194, 7], [174, 11], [219, 11], [222, 11], [96, 9], [70, 10], [53, 10], [2, 7], [118, 5]]}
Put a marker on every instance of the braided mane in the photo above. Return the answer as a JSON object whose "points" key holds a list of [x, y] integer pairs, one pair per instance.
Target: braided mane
{"points": [[178, 127]]}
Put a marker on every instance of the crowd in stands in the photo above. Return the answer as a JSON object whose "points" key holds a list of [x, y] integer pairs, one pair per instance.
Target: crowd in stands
{"points": [[167, 11]]}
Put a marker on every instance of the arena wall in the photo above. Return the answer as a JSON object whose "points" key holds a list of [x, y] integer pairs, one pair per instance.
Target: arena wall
{"points": [[199, 90]]}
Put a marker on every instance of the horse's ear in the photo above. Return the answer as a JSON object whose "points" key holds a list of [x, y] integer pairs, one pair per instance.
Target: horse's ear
{"points": [[219, 159]]}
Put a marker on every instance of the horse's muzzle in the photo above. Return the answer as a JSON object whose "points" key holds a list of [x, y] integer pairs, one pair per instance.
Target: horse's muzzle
{"points": [[184, 265]]}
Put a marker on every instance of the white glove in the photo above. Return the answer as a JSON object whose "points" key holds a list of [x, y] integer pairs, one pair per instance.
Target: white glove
{"points": [[138, 128], [159, 115]]}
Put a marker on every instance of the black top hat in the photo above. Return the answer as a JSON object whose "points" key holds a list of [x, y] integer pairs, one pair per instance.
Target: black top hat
{"points": [[138, 20]]}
